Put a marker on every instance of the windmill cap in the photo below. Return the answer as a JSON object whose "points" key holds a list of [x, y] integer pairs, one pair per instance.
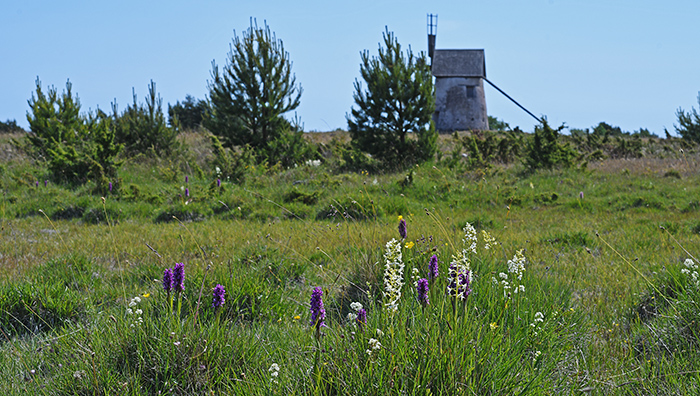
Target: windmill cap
{"points": [[459, 63]]}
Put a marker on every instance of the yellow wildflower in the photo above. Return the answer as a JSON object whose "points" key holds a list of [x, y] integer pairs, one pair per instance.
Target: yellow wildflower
{"points": [[409, 245]]}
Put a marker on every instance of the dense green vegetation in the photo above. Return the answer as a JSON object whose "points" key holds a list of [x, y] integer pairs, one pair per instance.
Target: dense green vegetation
{"points": [[608, 306]]}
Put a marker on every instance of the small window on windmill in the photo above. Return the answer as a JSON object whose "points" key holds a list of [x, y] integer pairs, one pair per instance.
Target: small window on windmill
{"points": [[471, 91]]}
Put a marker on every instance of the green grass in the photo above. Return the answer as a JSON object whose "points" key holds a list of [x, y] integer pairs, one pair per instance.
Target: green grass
{"points": [[619, 315]]}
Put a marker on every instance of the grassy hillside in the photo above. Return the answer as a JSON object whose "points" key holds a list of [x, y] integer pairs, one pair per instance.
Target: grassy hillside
{"points": [[605, 306]]}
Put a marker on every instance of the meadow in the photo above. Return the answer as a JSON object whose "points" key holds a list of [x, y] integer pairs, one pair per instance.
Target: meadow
{"points": [[572, 281]]}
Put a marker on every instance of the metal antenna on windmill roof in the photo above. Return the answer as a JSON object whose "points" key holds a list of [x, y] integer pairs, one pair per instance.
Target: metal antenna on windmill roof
{"points": [[432, 32]]}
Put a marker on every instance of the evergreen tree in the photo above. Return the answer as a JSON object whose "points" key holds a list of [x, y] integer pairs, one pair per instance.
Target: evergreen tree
{"points": [[76, 148], [689, 124], [54, 120], [142, 128], [398, 100], [256, 87], [189, 113]]}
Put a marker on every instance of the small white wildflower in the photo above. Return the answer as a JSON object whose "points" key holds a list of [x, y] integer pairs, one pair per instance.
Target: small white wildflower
{"points": [[79, 374], [537, 354], [539, 318], [274, 371], [380, 333], [129, 311], [393, 276], [374, 345], [352, 317], [517, 264], [689, 263], [356, 306], [415, 276], [470, 237], [691, 269], [138, 312], [503, 275]]}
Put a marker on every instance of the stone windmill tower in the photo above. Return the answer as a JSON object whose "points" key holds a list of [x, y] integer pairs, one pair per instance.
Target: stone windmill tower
{"points": [[460, 103]]}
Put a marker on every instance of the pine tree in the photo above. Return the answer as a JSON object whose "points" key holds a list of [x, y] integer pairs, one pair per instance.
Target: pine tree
{"points": [[256, 87], [142, 128], [54, 120], [398, 100], [76, 148], [689, 124]]}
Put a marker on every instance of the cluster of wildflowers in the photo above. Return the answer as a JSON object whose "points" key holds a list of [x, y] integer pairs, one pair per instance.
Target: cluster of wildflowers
{"points": [[359, 316], [179, 277], [174, 278], [393, 275], [512, 279], [356, 307], [691, 269], [318, 312], [135, 313], [470, 237], [422, 288], [274, 371], [539, 318], [460, 276], [374, 345], [516, 267], [218, 296]]}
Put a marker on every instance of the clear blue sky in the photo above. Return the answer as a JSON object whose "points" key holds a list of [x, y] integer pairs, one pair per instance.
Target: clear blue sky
{"points": [[630, 63]]}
